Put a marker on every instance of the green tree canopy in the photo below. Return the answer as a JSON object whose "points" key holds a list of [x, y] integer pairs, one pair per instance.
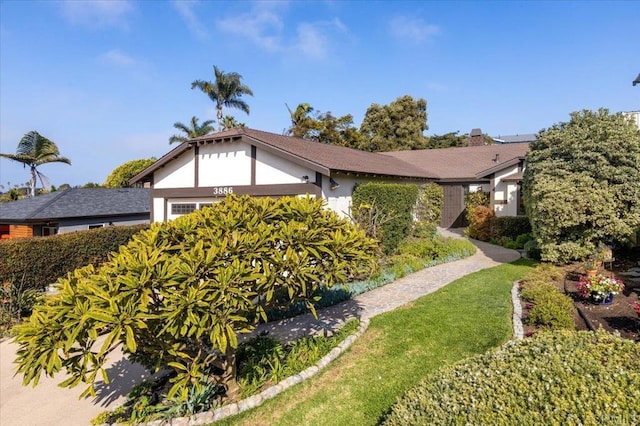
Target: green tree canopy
{"points": [[582, 185], [447, 140], [306, 123], [192, 131], [35, 150], [397, 126], [120, 176], [178, 294], [230, 122], [226, 91]]}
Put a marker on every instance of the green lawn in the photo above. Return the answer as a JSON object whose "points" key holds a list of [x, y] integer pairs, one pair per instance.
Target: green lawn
{"points": [[465, 318]]}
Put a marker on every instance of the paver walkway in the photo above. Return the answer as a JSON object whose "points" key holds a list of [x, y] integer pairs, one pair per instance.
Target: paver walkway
{"points": [[50, 405]]}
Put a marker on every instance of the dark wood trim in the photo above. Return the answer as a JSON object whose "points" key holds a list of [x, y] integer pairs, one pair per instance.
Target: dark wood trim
{"points": [[318, 181], [492, 192], [166, 209], [253, 164], [196, 168], [256, 190]]}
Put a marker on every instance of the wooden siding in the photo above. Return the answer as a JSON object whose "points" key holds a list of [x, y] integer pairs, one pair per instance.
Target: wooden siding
{"points": [[453, 211], [20, 231]]}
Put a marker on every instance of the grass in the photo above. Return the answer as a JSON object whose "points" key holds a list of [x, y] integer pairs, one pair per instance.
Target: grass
{"points": [[464, 318]]}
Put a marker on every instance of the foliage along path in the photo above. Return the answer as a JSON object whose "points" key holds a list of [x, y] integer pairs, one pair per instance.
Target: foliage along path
{"points": [[467, 317]]}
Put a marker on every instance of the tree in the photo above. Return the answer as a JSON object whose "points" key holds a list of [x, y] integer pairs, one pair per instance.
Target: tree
{"points": [[227, 90], [120, 176], [192, 131], [35, 150], [581, 184], [323, 127], [229, 122], [178, 294], [447, 140], [397, 126]]}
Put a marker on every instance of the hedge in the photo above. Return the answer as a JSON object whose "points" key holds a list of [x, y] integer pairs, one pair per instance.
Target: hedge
{"points": [[39, 261], [554, 378], [395, 202], [509, 226]]}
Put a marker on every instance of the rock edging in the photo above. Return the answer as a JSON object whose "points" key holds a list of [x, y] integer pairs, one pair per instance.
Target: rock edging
{"points": [[518, 328], [257, 400]]}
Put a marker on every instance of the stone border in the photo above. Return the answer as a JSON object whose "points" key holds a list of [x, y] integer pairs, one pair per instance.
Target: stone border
{"points": [[518, 328], [257, 400]]}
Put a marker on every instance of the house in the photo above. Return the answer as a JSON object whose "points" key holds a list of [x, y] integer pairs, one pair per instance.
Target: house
{"points": [[73, 209], [247, 161], [524, 138]]}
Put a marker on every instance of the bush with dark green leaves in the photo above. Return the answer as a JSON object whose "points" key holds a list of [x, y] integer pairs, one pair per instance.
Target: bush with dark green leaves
{"points": [[553, 378], [177, 296], [34, 263], [549, 307], [430, 203], [395, 203], [509, 226]]}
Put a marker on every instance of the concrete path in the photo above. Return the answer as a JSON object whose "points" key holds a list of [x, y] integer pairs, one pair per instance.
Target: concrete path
{"points": [[50, 405]]}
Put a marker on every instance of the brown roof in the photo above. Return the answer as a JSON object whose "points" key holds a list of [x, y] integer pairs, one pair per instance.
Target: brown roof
{"points": [[463, 163], [317, 156]]}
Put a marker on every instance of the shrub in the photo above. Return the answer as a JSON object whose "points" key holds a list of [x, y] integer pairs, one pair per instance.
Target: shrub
{"points": [[480, 223], [509, 226], [532, 250], [557, 377], [396, 202], [552, 310], [430, 203], [37, 262], [177, 296]]}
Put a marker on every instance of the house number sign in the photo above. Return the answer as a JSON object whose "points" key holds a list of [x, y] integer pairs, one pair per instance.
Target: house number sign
{"points": [[222, 190]]}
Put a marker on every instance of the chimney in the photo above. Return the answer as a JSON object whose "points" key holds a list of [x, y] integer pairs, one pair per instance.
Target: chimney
{"points": [[497, 158], [476, 138]]}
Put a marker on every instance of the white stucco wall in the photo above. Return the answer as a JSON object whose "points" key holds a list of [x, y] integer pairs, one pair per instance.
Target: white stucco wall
{"points": [[158, 210], [505, 191], [179, 173], [224, 164], [271, 169]]}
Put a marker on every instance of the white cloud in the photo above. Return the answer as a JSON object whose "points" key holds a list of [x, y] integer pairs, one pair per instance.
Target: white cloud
{"points": [[414, 29], [119, 58], [98, 13], [265, 28], [186, 9]]}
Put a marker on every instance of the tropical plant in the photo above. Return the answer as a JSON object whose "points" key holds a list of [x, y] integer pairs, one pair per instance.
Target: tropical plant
{"points": [[35, 150], [226, 91], [229, 122], [177, 295], [120, 176], [192, 131]]}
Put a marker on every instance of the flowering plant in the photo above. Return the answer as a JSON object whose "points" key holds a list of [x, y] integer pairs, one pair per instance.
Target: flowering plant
{"points": [[636, 306], [599, 287]]}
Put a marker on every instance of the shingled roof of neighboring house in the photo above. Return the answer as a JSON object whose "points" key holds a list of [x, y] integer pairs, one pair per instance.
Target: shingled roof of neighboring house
{"points": [[528, 137], [320, 157], [464, 163], [77, 203]]}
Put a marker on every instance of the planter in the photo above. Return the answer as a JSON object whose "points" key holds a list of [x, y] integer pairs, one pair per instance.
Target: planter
{"points": [[591, 273], [606, 300]]}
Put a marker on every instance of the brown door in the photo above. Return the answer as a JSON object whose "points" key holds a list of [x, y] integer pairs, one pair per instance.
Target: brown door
{"points": [[453, 210]]}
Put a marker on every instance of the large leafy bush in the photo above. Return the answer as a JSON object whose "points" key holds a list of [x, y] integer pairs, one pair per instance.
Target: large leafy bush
{"points": [[34, 263], [177, 296], [581, 184], [553, 378]]}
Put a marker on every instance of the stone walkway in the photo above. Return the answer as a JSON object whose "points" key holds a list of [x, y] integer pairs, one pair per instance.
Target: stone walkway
{"points": [[48, 404], [391, 296]]}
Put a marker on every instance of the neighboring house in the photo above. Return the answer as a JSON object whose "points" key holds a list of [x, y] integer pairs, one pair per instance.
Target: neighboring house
{"points": [[246, 161], [73, 209], [635, 115], [526, 138]]}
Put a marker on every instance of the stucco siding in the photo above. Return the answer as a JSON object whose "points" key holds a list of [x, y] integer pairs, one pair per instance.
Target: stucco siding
{"points": [[224, 164], [158, 210], [271, 169], [179, 173], [505, 194]]}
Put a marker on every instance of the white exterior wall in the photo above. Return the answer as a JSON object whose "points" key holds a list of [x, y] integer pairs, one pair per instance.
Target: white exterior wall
{"points": [[485, 187], [271, 169], [158, 210], [179, 173], [505, 191], [224, 164]]}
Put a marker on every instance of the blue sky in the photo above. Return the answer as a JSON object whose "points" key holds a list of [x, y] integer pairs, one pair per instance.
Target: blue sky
{"points": [[106, 80]]}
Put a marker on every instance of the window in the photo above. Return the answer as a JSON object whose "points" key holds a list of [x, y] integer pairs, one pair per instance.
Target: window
{"points": [[96, 226], [183, 208]]}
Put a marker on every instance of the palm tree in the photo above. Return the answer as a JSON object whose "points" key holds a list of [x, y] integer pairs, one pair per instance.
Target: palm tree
{"points": [[302, 120], [230, 122], [192, 132], [225, 91], [34, 150]]}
